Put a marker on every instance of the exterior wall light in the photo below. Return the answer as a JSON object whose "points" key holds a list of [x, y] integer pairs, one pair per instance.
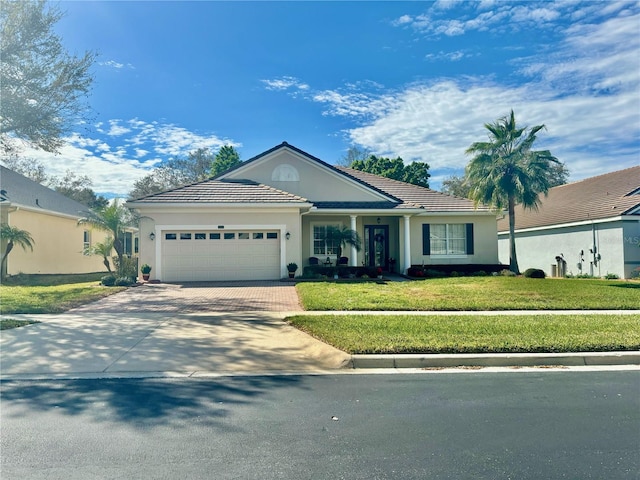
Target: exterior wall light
{"points": [[287, 235], [152, 236]]}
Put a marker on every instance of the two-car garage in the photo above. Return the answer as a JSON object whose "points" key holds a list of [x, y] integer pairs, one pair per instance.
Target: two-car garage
{"points": [[219, 255]]}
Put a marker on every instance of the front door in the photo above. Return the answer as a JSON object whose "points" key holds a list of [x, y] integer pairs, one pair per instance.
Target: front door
{"points": [[376, 245]]}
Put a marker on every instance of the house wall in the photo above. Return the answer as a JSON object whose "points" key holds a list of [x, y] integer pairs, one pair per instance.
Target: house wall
{"points": [[484, 233], [538, 249], [288, 219], [58, 243], [315, 182], [631, 242]]}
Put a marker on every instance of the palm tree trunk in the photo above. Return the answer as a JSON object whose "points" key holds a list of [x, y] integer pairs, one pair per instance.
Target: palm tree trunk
{"points": [[3, 264], [513, 258]]}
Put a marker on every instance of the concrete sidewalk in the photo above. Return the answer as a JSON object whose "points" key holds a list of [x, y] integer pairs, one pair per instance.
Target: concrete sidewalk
{"points": [[111, 344]]}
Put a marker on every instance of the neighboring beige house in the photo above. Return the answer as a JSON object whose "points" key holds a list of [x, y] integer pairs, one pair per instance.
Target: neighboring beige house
{"points": [[52, 221], [251, 221], [593, 225]]}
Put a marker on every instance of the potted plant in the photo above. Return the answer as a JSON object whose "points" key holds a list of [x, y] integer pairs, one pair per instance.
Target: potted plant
{"points": [[291, 268], [146, 270]]}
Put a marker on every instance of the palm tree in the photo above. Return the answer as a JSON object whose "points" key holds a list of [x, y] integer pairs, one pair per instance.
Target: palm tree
{"points": [[115, 219], [103, 249], [13, 236], [341, 237], [505, 172]]}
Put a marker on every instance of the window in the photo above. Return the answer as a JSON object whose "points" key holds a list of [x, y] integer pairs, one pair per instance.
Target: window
{"points": [[185, 236], [200, 236], [243, 236], [320, 246], [258, 235], [214, 236], [170, 236], [447, 239], [86, 241], [272, 235], [229, 236]]}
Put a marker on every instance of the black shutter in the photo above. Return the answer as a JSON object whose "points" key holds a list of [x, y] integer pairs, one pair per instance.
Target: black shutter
{"points": [[469, 238], [426, 239]]}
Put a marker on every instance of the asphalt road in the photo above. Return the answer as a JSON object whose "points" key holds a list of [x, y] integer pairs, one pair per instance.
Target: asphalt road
{"points": [[541, 425]]}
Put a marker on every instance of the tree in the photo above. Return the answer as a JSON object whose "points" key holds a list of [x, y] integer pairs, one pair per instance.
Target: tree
{"points": [[342, 236], [42, 86], [416, 173], [353, 154], [29, 167], [226, 158], [176, 172], [505, 171], [456, 185], [115, 219], [79, 189], [13, 236], [103, 249], [558, 174]]}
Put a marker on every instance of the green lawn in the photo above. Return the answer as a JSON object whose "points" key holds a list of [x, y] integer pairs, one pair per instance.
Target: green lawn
{"points": [[473, 334], [50, 299], [472, 293], [8, 323]]}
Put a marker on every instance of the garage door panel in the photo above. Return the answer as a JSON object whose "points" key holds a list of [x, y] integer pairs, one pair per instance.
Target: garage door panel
{"points": [[209, 256]]}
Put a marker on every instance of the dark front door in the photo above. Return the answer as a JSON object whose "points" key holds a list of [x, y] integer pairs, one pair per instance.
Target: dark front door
{"points": [[376, 245]]}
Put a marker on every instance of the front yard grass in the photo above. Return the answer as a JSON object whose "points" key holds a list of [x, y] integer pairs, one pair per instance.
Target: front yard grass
{"points": [[50, 299], [8, 323], [473, 293], [357, 334]]}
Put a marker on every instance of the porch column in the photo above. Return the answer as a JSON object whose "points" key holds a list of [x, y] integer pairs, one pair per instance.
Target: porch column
{"points": [[353, 258], [407, 244]]}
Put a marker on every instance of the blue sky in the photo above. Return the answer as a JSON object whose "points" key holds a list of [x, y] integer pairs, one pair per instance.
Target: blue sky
{"points": [[414, 79]]}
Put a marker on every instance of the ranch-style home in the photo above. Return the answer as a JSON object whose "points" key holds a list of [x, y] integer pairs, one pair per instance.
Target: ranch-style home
{"points": [[249, 222], [52, 221], [590, 227]]}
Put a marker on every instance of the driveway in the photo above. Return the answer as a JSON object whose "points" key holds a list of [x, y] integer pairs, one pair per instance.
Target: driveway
{"points": [[191, 329]]}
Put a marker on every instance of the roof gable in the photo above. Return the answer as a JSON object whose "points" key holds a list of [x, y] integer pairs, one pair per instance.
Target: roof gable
{"points": [[605, 196], [290, 169], [22, 191]]}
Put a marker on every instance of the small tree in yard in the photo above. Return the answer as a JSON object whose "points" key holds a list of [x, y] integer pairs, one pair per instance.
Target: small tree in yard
{"points": [[342, 236], [115, 219], [103, 249], [13, 236]]}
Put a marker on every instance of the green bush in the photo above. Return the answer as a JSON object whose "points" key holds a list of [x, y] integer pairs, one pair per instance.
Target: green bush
{"points": [[611, 276], [123, 282], [507, 273], [534, 273], [108, 280]]}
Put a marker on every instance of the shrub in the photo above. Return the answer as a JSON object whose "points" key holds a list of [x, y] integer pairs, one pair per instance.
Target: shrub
{"points": [[507, 273], [108, 280], [431, 273], [479, 273], [534, 273], [123, 282], [611, 276]]}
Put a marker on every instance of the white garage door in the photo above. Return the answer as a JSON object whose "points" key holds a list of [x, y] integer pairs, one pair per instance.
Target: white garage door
{"points": [[195, 256]]}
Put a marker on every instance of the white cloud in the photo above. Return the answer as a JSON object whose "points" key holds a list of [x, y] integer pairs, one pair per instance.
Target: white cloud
{"points": [[114, 167], [115, 65], [285, 83]]}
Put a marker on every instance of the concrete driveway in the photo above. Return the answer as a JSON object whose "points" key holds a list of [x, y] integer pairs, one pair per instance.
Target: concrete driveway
{"points": [[198, 329]]}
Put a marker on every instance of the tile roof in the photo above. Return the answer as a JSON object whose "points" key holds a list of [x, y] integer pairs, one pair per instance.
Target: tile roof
{"points": [[413, 195], [222, 191], [605, 196], [20, 190]]}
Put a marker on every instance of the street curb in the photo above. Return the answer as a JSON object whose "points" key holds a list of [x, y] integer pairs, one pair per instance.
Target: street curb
{"points": [[494, 360]]}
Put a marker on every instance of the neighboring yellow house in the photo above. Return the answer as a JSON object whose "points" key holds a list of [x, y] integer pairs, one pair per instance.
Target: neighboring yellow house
{"points": [[52, 221]]}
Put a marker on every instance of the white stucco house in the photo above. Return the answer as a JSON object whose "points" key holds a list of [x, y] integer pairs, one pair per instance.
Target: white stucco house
{"points": [[251, 221], [593, 224]]}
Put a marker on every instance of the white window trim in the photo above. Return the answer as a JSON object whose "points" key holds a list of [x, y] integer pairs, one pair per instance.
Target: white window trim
{"points": [[321, 224]]}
